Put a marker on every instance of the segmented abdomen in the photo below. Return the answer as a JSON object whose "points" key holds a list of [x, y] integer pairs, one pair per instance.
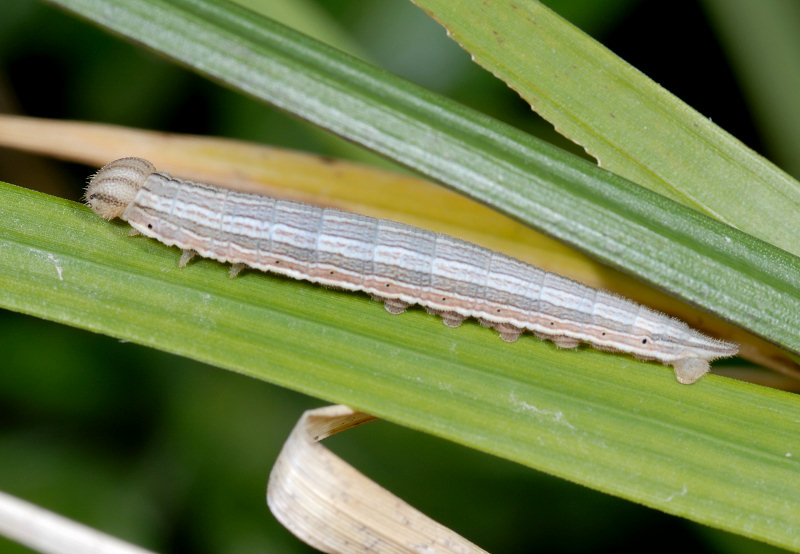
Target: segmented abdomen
{"points": [[396, 263]]}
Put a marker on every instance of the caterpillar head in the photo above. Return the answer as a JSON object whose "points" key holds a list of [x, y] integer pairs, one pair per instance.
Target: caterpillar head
{"points": [[114, 187]]}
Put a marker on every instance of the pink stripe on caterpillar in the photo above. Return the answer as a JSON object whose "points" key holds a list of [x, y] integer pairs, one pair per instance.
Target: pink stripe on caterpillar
{"points": [[395, 263]]}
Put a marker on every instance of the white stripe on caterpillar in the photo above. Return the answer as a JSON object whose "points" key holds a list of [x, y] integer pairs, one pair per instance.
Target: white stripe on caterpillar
{"points": [[395, 263]]}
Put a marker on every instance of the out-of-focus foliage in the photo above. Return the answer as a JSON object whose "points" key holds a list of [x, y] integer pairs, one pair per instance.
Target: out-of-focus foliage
{"points": [[174, 455]]}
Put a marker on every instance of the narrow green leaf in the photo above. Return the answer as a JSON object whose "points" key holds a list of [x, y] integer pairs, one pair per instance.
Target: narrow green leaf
{"points": [[629, 123], [720, 452], [704, 262]]}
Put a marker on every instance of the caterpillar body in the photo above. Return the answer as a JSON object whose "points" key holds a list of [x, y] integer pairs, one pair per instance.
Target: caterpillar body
{"points": [[395, 263]]}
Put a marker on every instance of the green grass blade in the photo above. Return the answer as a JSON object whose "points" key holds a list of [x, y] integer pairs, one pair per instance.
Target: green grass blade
{"points": [[628, 122], [704, 262], [720, 452]]}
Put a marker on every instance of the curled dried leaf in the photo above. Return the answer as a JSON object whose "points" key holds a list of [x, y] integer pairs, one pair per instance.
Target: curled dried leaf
{"points": [[328, 504]]}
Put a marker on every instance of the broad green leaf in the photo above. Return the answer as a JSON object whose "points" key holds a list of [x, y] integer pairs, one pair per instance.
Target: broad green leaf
{"points": [[720, 452], [706, 263], [633, 126]]}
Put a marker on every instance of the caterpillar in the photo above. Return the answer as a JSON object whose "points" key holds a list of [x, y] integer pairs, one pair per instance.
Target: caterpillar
{"points": [[395, 263]]}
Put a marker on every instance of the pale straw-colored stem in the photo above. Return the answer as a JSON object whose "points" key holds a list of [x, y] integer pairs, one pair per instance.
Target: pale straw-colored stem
{"points": [[48, 532]]}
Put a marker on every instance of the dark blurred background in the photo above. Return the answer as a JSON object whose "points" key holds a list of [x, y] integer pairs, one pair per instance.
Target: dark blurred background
{"points": [[174, 455]]}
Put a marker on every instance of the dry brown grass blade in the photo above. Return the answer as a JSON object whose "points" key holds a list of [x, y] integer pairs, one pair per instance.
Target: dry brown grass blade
{"points": [[328, 504], [359, 188]]}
